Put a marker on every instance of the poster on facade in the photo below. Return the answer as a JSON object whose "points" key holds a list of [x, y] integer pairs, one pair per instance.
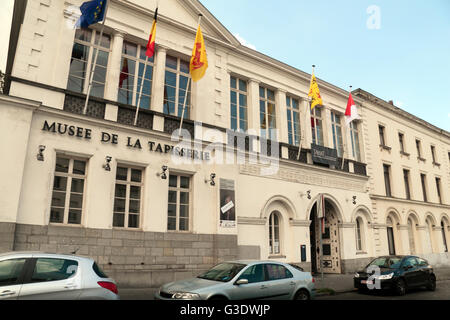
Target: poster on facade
{"points": [[227, 204]]}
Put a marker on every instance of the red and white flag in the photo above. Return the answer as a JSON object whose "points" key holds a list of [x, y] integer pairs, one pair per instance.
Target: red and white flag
{"points": [[352, 112]]}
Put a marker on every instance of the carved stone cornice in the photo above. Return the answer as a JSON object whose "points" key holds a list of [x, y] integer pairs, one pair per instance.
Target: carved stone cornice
{"points": [[300, 223], [252, 221]]}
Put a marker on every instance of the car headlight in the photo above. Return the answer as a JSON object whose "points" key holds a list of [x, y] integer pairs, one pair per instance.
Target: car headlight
{"points": [[385, 276], [185, 296], [357, 275]]}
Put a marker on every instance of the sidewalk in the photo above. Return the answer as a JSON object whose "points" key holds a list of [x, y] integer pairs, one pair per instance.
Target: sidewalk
{"points": [[340, 283]]}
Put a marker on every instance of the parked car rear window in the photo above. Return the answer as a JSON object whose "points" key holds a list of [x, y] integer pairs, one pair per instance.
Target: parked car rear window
{"points": [[50, 269], [99, 271], [10, 271]]}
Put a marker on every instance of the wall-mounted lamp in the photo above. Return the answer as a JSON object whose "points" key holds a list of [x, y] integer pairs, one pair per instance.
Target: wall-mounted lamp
{"points": [[40, 155], [308, 193], [354, 199], [212, 177], [107, 165], [163, 174]]}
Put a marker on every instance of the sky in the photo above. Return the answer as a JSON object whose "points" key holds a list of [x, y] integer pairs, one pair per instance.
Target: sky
{"points": [[395, 49]]}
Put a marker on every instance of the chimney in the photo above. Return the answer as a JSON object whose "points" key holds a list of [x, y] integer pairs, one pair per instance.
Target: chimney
{"points": [[391, 102]]}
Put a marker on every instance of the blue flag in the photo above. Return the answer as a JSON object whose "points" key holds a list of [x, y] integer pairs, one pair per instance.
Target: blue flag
{"points": [[91, 13]]}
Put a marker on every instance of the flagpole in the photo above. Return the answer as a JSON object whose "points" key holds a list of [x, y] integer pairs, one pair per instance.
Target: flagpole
{"points": [[307, 107], [322, 224], [140, 92], [187, 87], [91, 76]]}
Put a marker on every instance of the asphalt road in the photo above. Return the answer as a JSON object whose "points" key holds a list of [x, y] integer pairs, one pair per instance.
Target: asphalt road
{"points": [[442, 293]]}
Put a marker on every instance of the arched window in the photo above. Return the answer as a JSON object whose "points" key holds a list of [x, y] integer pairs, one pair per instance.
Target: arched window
{"points": [[359, 234], [430, 234], [274, 233], [412, 243], [390, 236]]}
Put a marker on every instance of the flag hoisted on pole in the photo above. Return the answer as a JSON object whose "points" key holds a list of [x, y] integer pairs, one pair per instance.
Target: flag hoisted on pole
{"points": [[316, 100], [148, 54], [198, 64], [92, 12], [351, 113]]}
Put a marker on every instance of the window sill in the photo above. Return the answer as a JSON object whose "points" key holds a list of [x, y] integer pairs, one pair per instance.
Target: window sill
{"points": [[436, 164], [421, 159], [385, 147], [62, 225], [127, 229], [360, 252], [277, 257], [404, 154]]}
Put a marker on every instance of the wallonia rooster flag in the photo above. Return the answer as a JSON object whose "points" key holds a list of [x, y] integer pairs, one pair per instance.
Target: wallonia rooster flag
{"points": [[151, 42], [314, 93], [199, 60]]}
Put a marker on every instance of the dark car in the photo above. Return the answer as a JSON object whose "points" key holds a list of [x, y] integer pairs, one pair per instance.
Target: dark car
{"points": [[397, 273]]}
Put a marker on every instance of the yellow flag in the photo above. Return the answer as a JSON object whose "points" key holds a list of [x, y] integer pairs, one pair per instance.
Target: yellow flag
{"points": [[199, 60], [314, 93]]}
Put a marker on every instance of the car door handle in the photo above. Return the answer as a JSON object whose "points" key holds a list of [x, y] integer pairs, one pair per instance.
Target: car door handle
{"points": [[7, 293], [264, 287], [292, 283], [70, 286]]}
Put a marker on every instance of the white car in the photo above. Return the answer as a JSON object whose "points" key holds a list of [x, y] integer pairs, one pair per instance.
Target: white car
{"points": [[45, 276]]}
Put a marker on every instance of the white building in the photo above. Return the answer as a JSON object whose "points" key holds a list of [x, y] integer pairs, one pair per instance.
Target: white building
{"points": [[58, 195]]}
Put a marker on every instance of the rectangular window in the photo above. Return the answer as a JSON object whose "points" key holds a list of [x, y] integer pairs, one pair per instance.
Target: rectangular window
{"points": [[438, 189], [68, 191], [175, 86], [86, 44], [337, 133], [381, 131], [423, 179], [407, 185], [179, 203], [132, 67], [267, 113], [387, 179], [419, 149], [128, 197], [316, 126], [293, 120], [401, 140], [433, 154], [354, 135], [239, 108]]}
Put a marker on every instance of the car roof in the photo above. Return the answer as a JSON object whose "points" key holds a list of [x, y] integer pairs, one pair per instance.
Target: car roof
{"points": [[250, 262], [42, 254]]}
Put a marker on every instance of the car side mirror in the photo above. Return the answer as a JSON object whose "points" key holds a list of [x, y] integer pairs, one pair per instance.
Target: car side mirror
{"points": [[407, 267], [241, 281]]}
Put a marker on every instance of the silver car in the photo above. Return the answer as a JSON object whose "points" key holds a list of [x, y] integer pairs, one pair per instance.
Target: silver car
{"points": [[45, 276], [242, 280]]}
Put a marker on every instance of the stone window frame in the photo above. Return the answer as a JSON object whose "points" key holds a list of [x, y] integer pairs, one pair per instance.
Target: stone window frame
{"points": [[334, 127], [360, 235], [315, 121], [140, 60], [274, 230], [129, 183], [68, 192], [356, 144], [93, 45], [239, 92], [178, 73], [178, 189], [293, 123]]}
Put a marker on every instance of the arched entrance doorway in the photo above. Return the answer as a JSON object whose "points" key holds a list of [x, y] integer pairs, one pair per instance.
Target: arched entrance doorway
{"points": [[329, 254]]}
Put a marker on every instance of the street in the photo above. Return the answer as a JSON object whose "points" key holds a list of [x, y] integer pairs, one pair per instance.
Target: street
{"points": [[442, 293]]}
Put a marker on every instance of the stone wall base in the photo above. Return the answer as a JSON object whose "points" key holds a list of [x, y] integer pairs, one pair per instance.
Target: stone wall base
{"points": [[7, 231], [132, 258]]}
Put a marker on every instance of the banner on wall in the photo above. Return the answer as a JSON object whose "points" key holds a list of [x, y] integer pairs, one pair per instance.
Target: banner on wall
{"points": [[227, 204]]}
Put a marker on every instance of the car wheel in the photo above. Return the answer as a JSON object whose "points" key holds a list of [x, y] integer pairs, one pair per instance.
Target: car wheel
{"points": [[432, 283], [400, 287], [302, 295]]}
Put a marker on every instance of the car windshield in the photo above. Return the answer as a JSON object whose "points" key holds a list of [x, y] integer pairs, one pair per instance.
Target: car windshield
{"points": [[391, 263], [223, 272]]}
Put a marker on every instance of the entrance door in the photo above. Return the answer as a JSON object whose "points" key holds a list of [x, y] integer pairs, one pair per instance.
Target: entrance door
{"points": [[330, 251]]}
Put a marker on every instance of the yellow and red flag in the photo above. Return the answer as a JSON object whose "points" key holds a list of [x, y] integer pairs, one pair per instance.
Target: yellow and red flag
{"points": [[314, 93], [151, 42], [199, 60]]}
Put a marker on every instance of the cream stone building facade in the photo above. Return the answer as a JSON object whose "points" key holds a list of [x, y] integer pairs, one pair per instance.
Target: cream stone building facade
{"points": [[124, 194]]}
